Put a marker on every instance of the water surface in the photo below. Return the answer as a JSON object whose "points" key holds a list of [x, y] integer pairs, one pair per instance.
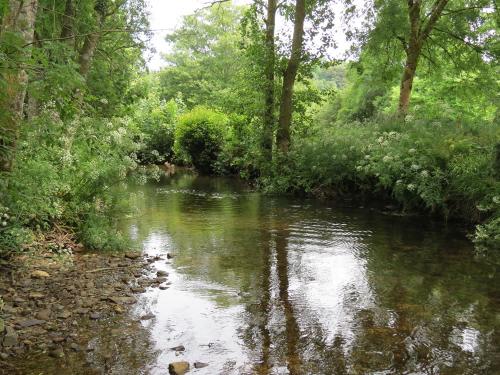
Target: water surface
{"points": [[262, 285]]}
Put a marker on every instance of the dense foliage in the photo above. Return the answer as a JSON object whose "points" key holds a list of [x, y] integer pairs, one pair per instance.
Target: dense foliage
{"points": [[199, 137], [410, 118], [67, 142]]}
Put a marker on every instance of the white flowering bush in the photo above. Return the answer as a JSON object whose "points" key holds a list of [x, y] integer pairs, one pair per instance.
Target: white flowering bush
{"points": [[67, 172]]}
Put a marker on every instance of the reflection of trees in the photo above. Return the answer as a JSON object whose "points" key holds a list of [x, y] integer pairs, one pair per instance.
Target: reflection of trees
{"points": [[424, 296], [428, 292], [264, 304], [292, 332]]}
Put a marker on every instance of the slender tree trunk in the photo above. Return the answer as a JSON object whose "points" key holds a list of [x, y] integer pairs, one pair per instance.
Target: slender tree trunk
{"points": [[19, 20], [269, 117], [87, 53], [67, 32], [407, 84], [91, 41], [419, 32], [286, 105]]}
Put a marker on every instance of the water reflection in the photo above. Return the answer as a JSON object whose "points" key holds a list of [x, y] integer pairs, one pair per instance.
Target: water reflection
{"points": [[275, 286]]}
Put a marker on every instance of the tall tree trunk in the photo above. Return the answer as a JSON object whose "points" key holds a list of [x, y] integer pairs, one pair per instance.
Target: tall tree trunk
{"points": [[419, 32], [87, 52], [286, 105], [407, 83], [269, 117], [91, 41], [19, 20]]}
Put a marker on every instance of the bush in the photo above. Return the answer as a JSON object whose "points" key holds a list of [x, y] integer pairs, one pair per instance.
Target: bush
{"points": [[155, 122], [240, 152], [199, 138], [65, 172]]}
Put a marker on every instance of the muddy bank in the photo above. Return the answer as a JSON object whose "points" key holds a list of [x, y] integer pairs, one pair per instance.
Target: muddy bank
{"points": [[70, 313]]}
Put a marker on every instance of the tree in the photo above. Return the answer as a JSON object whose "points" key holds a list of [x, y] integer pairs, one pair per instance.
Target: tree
{"points": [[17, 33], [269, 110], [206, 65], [286, 106], [301, 62], [420, 29], [459, 29]]}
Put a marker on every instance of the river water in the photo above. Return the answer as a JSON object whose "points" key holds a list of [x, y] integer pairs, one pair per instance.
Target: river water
{"points": [[263, 285]]}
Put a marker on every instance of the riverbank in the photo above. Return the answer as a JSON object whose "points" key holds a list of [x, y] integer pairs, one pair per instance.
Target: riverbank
{"points": [[55, 306]]}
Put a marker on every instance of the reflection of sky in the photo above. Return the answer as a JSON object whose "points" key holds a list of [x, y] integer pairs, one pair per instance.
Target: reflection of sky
{"points": [[327, 276], [189, 313], [467, 339]]}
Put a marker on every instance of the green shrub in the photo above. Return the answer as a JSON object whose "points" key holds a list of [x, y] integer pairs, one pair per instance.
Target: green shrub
{"points": [[66, 172], [487, 236], [240, 151], [155, 121], [200, 136]]}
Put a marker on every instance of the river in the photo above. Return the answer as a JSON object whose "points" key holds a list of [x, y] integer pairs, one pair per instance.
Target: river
{"points": [[265, 285]]}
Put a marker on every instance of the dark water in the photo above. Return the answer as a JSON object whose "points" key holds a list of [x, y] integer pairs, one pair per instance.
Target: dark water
{"points": [[262, 285]]}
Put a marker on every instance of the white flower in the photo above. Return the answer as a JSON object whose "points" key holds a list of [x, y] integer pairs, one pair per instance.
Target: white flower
{"points": [[359, 168], [367, 157], [387, 159], [415, 167], [412, 150], [104, 101], [411, 187], [424, 173]]}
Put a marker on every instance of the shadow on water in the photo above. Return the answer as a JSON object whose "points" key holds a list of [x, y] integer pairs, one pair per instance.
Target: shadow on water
{"points": [[265, 285]]}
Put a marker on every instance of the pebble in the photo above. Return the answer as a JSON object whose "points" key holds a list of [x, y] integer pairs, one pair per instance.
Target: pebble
{"points": [[43, 314], [200, 364], [147, 316], [64, 314], [30, 323], [178, 368], [10, 338], [57, 353], [95, 316], [132, 255], [138, 290], [38, 274], [179, 348], [161, 273]]}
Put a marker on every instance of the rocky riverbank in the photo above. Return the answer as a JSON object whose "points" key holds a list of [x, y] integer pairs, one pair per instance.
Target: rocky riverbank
{"points": [[65, 309]]}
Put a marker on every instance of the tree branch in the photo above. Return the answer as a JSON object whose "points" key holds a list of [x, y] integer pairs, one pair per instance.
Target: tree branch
{"points": [[437, 9], [475, 47]]}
